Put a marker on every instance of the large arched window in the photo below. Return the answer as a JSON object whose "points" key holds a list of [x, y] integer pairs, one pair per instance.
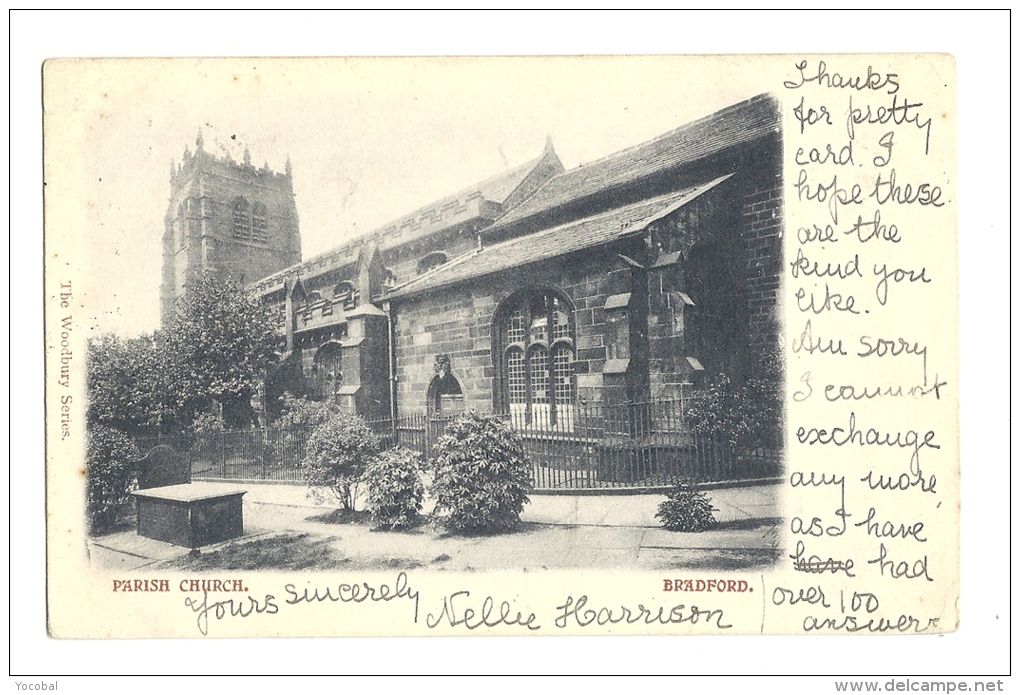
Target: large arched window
{"points": [[242, 219], [536, 342]]}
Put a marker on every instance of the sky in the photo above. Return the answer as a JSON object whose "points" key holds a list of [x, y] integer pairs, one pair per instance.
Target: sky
{"points": [[369, 139]]}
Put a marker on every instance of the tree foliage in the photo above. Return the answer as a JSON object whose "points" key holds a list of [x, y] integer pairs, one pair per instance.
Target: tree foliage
{"points": [[202, 368], [746, 414], [302, 412], [128, 386], [218, 347]]}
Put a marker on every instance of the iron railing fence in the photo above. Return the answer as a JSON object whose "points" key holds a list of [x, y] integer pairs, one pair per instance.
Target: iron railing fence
{"points": [[274, 453], [591, 446]]}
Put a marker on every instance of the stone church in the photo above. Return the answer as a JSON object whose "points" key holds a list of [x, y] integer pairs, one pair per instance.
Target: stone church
{"points": [[532, 293]]}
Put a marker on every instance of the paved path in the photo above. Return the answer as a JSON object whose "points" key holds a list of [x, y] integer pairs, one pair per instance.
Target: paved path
{"points": [[559, 531]]}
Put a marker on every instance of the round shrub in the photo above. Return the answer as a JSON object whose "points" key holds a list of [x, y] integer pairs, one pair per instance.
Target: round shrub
{"points": [[110, 464], [207, 422], [481, 478], [300, 412], [338, 452], [686, 508], [395, 490]]}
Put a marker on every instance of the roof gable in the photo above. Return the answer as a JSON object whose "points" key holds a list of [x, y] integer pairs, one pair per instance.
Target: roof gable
{"points": [[733, 126], [484, 199]]}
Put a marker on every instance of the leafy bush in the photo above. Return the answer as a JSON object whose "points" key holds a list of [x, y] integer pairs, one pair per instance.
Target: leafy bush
{"points": [[686, 509], [110, 465], [207, 422], [482, 479], [338, 451], [747, 412], [395, 490], [302, 412]]}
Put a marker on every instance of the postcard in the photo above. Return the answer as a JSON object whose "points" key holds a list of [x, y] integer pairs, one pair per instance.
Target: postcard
{"points": [[646, 345]]}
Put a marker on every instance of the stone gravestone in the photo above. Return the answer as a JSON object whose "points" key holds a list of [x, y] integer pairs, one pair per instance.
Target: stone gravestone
{"points": [[163, 466], [173, 509]]}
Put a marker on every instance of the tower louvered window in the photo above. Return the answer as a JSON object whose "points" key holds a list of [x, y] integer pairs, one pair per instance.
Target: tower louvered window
{"points": [[182, 227], [259, 224], [242, 219]]}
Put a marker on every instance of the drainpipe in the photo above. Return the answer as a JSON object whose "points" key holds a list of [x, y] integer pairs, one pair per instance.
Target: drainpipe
{"points": [[288, 312], [388, 309]]}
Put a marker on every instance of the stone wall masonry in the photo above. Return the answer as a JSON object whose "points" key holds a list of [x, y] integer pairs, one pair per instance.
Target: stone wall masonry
{"points": [[403, 261], [761, 229], [747, 218], [459, 322], [436, 324]]}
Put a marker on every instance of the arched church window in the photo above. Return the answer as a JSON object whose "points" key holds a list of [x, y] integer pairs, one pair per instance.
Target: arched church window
{"points": [[327, 375], [259, 224], [347, 295], [242, 219], [433, 260], [535, 334], [312, 300]]}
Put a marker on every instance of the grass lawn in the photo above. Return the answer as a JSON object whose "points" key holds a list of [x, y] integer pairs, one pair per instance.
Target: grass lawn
{"points": [[307, 550], [284, 551]]}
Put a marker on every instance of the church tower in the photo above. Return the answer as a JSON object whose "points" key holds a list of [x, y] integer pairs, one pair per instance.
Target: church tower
{"points": [[227, 218]]}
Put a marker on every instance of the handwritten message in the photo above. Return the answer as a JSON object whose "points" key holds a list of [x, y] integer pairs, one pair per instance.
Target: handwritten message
{"points": [[869, 284], [462, 610]]}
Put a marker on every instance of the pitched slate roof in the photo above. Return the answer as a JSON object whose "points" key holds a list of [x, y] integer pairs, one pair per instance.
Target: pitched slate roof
{"points": [[567, 238], [735, 125], [499, 187]]}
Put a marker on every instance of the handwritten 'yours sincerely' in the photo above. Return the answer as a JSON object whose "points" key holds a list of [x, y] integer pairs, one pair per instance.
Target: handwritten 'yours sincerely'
{"points": [[344, 593]]}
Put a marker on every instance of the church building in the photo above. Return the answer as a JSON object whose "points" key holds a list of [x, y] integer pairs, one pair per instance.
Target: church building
{"points": [[226, 218], [533, 293]]}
